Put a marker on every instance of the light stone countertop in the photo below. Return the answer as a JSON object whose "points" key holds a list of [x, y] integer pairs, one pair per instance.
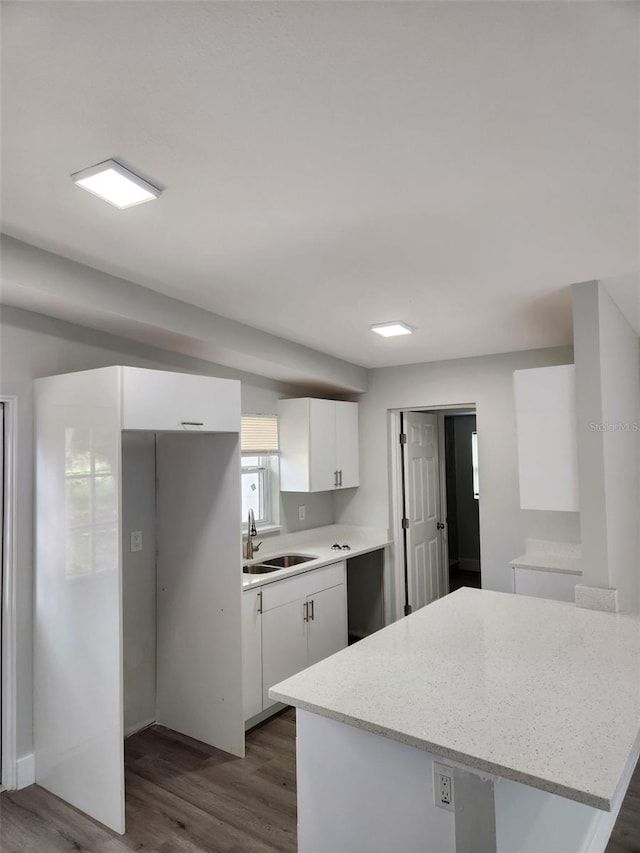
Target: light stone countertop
{"points": [[317, 542], [537, 691], [545, 556]]}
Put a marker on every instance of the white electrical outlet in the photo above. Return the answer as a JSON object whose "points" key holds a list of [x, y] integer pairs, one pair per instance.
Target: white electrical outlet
{"points": [[302, 513], [136, 540], [443, 786]]}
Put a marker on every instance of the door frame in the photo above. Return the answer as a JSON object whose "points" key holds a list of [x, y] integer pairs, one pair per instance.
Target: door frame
{"points": [[396, 494], [9, 577]]}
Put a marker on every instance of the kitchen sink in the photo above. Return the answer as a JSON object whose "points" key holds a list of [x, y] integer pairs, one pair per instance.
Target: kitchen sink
{"points": [[259, 569], [286, 561], [272, 564]]}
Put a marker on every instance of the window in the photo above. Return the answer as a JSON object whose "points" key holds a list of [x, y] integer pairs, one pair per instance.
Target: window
{"points": [[474, 464], [260, 469]]}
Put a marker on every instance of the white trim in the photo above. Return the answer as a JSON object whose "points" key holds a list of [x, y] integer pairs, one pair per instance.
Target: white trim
{"points": [[444, 538], [395, 492], [139, 727], [25, 771], [10, 769], [395, 512]]}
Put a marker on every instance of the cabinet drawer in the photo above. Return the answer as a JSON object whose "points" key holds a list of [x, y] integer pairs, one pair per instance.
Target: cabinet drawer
{"points": [[300, 586], [157, 400]]}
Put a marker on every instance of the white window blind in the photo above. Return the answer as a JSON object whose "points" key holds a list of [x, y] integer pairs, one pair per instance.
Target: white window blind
{"points": [[259, 434]]}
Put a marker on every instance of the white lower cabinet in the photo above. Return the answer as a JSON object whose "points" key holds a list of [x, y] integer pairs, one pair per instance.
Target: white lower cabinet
{"points": [[289, 625], [559, 586], [327, 625], [251, 652], [284, 645]]}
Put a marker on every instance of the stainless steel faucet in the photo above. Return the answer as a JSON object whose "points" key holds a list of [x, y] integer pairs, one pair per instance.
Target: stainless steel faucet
{"points": [[250, 547]]}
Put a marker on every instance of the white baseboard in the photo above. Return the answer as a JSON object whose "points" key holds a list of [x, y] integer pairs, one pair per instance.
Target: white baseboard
{"points": [[25, 771], [139, 726], [263, 715]]}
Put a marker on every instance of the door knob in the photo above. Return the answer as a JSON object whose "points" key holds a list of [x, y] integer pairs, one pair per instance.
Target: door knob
{"points": [[440, 525]]}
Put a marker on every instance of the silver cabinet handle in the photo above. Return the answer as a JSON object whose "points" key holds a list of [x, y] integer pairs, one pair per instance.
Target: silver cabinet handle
{"points": [[305, 612], [340, 477], [313, 610], [259, 598], [335, 479], [192, 423]]}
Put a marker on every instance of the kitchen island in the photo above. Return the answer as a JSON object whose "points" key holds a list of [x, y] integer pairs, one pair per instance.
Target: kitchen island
{"points": [[532, 705]]}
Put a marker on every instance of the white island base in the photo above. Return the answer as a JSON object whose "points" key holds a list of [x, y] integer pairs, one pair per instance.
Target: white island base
{"points": [[360, 792]]}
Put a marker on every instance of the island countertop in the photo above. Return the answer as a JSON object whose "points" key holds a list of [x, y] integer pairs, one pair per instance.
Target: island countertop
{"points": [[537, 691]]}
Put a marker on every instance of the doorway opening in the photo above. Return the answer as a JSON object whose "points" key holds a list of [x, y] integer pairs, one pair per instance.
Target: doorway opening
{"points": [[435, 503], [462, 500]]}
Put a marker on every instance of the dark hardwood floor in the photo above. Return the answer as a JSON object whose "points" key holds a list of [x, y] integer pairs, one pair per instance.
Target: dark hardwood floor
{"points": [[459, 578], [185, 797], [181, 797], [625, 837]]}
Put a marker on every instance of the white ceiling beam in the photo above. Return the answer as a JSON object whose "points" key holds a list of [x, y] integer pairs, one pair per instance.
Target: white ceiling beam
{"points": [[41, 281]]}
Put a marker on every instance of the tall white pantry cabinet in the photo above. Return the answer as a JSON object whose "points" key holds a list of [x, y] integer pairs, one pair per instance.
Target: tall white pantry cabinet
{"points": [[78, 643]]}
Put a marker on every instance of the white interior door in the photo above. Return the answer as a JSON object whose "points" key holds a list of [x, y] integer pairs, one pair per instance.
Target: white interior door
{"points": [[422, 504]]}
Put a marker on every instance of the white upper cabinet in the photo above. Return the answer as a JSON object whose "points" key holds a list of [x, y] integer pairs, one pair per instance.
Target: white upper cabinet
{"points": [[177, 402], [347, 448], [318, 445], [547, 442]]}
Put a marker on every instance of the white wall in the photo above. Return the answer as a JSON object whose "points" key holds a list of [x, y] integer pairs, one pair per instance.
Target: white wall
{"points": [[607, 354], [139, 579], [32, 346], [486, 383]]}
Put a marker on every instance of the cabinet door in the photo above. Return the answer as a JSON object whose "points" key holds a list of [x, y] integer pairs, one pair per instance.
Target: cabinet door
{"points": [[158, 400], [547, 438], [347, 460], [327, 623], [322, 445], [284, 645], [78, 710], [556, 585], [251, 652]]}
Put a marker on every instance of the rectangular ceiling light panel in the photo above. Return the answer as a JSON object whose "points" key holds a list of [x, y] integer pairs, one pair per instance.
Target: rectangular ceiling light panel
{"points": [[116, 184], [390, 330]]}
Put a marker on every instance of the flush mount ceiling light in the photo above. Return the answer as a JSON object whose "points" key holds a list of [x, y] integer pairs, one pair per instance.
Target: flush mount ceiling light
{"points": [[390, 330], [116, 184]]}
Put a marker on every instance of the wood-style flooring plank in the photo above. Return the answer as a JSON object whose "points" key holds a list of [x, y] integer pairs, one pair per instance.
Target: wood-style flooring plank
{"points": [[182, 797], [187, 797]]}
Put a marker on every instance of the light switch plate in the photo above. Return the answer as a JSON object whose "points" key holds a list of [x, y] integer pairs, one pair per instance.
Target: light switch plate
{"points": [[136, 540]]}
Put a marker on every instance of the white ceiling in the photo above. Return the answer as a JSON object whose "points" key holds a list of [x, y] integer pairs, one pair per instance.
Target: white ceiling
{"points": [[331, 165]]}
